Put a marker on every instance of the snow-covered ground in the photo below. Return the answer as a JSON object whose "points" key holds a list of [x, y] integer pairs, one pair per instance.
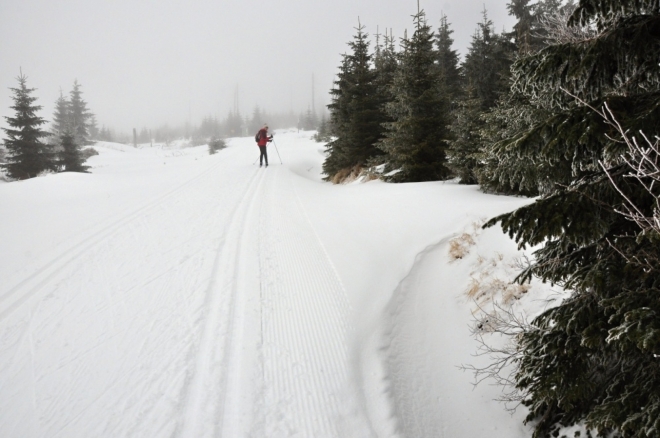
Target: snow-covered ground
{"points": [[175, 293]]}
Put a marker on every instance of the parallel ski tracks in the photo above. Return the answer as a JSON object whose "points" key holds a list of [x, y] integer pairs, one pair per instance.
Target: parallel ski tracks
{"points": [[25, 289], [273, 360], [209, 387], [130, 298], [270, 355]]}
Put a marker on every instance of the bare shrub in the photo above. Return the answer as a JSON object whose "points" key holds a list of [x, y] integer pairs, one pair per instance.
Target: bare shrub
{"points": [[643, 163], [216, 144], [642, 160], [502, 361]]}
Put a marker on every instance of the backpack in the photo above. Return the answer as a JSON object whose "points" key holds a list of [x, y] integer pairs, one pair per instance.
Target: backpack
{"points": [[257, 137]]}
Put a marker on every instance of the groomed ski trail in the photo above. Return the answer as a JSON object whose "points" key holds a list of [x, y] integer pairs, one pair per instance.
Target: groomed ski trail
{"points": [[205, 312], [16, 295], [278, 304], [207, 393], [175, 294], [307, 389], [107, 329]]}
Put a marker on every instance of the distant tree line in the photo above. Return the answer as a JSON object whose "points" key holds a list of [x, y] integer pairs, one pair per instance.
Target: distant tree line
{"points": [[565, 107], [234, 124], [31, 150]]}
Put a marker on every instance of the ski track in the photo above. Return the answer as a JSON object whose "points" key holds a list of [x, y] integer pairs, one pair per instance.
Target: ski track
{"points": [[229, 316], [76, 300], [204, 402], [307, 383], [26, 288]]}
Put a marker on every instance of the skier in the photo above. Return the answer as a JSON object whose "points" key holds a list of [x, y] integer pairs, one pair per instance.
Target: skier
{"points": [[263, 139]]}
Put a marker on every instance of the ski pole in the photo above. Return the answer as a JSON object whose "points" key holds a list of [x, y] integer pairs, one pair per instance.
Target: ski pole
{"points": [[278, 152]]}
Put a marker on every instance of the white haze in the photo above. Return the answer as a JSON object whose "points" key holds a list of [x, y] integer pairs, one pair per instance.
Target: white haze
{"points": [[144, 63]]}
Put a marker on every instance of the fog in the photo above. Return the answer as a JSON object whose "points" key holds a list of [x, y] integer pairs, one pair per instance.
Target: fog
{"points": [[144, 63]]}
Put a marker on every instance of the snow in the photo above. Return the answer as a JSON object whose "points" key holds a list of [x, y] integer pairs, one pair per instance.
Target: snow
{"points": [[175, 293]]}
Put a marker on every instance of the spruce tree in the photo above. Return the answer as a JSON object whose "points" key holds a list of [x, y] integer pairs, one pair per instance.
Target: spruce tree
{"points": [[364, 128], [466, 144], [340, 118], [310, 120], [448, 60], [257, 121], [416, 140], [79, 116], [486, 70], [211, 127], [385, 66], [522, 30], [233, 124], [487, 63], [71, 157], [27, 155], [105, 134], [93, 128], [594, 358], [323, 134], [143, 136], [528, 32], [354, 111], [501, 169], [61, 118]]}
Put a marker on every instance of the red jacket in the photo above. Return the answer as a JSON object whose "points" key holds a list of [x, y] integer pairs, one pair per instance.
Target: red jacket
{"points": [[263, 137]]}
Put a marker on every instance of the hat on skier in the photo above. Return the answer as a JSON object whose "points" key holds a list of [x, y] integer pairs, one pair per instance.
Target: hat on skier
{"points": [[266, 125]]}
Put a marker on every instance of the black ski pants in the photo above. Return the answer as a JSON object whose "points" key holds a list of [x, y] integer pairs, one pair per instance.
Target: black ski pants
{"points": [[264, 155]]}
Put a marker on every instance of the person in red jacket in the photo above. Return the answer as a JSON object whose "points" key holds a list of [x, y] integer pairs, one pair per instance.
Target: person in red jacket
{"points": [[263, 139]]}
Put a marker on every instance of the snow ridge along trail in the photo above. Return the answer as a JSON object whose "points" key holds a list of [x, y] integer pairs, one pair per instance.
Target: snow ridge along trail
{"points": [[307, 387]]}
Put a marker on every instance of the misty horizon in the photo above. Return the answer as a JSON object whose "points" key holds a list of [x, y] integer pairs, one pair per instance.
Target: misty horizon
{"points": [[147, 64]]}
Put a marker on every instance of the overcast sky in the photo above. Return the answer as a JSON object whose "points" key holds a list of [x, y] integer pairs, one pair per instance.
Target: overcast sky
{"points": [[143, 63]]}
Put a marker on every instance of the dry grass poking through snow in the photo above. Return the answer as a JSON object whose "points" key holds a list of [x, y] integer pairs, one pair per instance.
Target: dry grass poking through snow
{"points": [[353, 174], [347, 175], [488, 289], [459, 246], [491, 280]]}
